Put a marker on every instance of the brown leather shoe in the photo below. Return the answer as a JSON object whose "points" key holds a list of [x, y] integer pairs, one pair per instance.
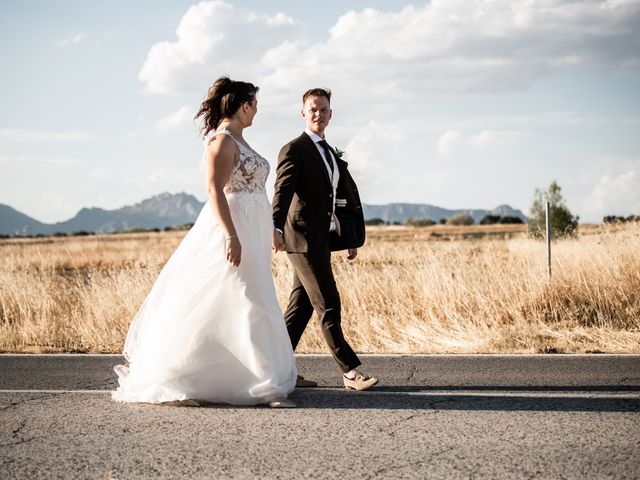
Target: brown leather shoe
{"points": [[359, 382], [301, 382]]}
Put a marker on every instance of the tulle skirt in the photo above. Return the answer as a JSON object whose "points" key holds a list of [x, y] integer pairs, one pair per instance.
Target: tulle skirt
{"points": [[209, 330]]}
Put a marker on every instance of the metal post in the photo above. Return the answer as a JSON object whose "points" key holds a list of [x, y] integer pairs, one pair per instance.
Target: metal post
{"points": [[548, 222]]}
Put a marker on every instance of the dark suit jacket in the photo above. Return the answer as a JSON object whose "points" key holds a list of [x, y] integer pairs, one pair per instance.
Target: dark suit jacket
{"points": [[303, 201]]}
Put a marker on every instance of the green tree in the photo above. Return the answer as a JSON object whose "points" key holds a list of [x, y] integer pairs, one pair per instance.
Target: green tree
{"points": [[509, 220], [563, 222], [490, 219]]}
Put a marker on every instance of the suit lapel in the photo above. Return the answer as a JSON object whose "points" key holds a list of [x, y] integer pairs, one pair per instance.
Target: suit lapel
{"points": [[315, 155]]}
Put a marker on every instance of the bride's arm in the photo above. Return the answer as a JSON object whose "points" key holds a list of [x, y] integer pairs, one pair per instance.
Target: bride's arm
{"points": [[220, 157]]}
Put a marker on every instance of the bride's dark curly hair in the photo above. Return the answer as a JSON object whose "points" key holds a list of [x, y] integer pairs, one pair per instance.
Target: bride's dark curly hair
{"points": [[223, 100]]}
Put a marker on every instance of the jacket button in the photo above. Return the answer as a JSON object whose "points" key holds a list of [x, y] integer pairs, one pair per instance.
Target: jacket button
{"points": [[328, 213]]}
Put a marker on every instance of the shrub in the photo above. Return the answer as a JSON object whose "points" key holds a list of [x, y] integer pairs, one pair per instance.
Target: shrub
{"points": [[178, 227], [508, 219], [140, 230], [490, 219], [461, 219], [618, 219], [563, 223], [375, 221], [419, 222]]}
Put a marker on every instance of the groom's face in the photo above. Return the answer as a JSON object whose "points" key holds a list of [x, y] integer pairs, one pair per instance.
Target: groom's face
{"points": [[317, 113]]}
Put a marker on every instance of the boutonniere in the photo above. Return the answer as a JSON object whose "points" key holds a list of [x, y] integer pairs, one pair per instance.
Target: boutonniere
{"points": [[339, 153]]}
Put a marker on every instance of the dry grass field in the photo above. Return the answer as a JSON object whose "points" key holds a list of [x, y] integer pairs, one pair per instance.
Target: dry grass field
{"points": [[437, 289]]}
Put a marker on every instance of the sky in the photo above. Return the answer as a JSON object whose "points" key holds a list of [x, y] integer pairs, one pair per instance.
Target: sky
{"points": [[459, 104]]}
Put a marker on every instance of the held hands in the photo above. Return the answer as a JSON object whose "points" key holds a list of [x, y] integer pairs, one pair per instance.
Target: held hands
{"points": [[234, 250], [278, 241]]}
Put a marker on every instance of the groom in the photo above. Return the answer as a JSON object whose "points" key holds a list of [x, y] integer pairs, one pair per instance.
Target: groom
{"points": [[316, 209]]}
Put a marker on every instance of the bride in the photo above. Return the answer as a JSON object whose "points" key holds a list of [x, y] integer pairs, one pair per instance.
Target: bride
{"points": [[211, 329]]}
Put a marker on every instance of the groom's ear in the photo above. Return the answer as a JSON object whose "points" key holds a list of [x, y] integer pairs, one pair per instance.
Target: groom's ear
{"points": [[302, 112]]}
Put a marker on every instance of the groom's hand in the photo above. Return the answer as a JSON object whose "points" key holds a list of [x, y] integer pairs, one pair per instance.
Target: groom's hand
{"points": [[352, 253], [278, 241]]}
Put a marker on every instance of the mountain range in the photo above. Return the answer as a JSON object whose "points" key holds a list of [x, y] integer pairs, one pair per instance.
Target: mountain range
{"points": [[168, 209], [400, 212]]}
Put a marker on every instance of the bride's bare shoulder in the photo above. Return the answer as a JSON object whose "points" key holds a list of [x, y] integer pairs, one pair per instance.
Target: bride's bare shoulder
{"points": [[221, 144]]}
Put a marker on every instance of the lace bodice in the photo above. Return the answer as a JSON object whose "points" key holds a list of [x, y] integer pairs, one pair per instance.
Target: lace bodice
{"points": [[250, 172]]}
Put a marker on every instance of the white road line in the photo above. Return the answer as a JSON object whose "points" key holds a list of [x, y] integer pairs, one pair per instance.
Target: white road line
{"points": [[77, 355], [89, 392], [502, 394]]}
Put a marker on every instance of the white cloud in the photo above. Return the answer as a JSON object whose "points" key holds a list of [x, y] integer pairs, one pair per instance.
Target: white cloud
{"points": [[72, 40], [490, 139], [616, 194], [178, 120], [19, 135], [460, 46], [214, 38], [445, 46], [359, 152], [448, 141], [455, 142], [372, 152], [370, 144]]}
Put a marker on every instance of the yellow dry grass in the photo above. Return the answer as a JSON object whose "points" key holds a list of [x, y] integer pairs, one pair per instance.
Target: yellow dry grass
{"points": [[411, 290]]}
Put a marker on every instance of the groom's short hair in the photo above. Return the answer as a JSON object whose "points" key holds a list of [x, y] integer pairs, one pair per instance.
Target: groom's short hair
{"points": [[317, 92]]}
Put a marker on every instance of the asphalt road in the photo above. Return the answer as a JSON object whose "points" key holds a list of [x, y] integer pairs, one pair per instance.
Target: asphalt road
{"points": [[435, 417]]}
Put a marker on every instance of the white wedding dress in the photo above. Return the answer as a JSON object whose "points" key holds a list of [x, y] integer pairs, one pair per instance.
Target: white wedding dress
{"points": [[209, 330]]}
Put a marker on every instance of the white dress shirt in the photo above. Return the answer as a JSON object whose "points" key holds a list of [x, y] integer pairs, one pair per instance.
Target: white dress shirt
{"points": [[334, 175]]}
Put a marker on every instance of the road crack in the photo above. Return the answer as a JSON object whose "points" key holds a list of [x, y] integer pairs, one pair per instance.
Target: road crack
{"points": [[392, 428], [16, 437], [17, 403], [16, 432]]}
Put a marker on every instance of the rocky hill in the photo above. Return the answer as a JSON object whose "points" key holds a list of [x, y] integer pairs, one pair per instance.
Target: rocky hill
{"points": [[400, 212], [13, 222], [160, 211]]}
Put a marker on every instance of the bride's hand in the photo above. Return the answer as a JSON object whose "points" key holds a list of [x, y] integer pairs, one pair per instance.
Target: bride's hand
{"points": [[278, 241], [234, 250]]}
